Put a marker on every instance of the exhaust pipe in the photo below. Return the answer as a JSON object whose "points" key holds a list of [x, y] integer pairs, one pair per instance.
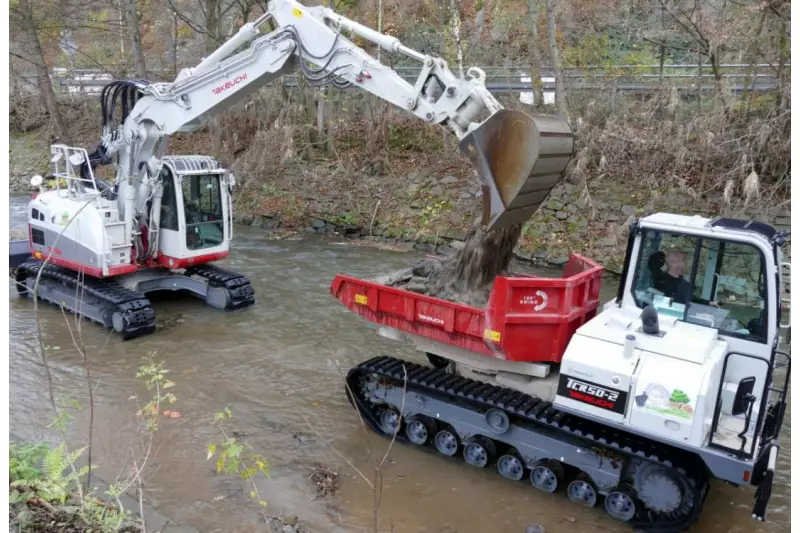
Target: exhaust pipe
{"points": [[519, 159]]}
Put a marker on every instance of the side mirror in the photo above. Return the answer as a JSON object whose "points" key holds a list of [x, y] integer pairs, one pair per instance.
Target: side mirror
{"points": [[744, 396]]}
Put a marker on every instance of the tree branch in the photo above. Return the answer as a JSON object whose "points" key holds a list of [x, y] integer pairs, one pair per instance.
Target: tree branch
{"points": [[186, 20], [32, 62]]}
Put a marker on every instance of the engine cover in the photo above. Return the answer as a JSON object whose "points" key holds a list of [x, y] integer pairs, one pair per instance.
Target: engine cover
{"points": [[654, 387], [671, 397], [596, 378]]}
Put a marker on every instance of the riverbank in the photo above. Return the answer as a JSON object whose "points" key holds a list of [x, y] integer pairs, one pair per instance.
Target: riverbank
{"points": [[592, 222], [411, 190]]}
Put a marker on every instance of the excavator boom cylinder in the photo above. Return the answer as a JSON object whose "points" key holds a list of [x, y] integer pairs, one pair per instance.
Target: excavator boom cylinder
{"points": [[520, 158]]}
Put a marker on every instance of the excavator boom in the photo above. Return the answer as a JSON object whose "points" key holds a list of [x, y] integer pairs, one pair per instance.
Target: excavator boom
{"points": [[518, 157]]}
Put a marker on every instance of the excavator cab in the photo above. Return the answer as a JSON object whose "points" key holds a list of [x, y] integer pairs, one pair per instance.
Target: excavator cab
{"points": [[520, 158], [195, 211]]}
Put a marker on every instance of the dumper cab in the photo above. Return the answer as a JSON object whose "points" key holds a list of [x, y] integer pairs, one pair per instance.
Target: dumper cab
{"points": [[688, 351]]}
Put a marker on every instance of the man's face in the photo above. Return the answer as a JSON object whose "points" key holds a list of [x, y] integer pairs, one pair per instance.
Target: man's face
{"points": [[676, 263]]}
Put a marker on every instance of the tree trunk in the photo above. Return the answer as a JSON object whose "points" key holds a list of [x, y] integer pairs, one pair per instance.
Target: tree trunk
{"points": [[480, 20], [752, 59], [132, 25], [456, 28], [561, 96], [323, 140], [535, 54], [213, 29], [783, 56], [36, 56], [440, 11], [380, 24], [174, 44]]}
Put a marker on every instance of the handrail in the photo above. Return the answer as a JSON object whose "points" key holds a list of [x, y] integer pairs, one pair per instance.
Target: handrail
{"points": [[761, 412]]}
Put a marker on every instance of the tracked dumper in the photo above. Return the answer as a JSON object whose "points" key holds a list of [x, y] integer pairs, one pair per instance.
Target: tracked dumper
{"points": [[634, 405]]}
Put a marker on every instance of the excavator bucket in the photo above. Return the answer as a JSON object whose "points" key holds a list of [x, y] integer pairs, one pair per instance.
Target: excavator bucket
{"points": [[520, 159]]}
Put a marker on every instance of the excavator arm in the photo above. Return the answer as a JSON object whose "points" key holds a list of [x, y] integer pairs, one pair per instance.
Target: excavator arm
{"points": [[519, 158]]}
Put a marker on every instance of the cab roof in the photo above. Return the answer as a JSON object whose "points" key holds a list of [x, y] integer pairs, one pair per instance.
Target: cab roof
{"points": [[696, 221]]}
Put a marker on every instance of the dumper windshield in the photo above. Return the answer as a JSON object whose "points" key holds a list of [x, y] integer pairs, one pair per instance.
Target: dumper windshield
{"points": [[709, 282]]}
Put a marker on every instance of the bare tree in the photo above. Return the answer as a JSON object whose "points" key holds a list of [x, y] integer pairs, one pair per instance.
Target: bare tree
{"points": [[134, 36], [456, 29], [35, 56], [555, 61], [535, 53]]}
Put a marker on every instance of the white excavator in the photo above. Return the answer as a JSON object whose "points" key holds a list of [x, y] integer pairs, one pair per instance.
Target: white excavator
{"points": [[99, 248]]}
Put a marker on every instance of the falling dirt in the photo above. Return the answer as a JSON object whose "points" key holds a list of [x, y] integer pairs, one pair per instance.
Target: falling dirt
{"points": [[467, 276]]}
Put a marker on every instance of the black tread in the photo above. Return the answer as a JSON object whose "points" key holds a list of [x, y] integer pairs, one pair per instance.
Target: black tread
{"points": [[140, 317], [526, 408], [239, 288]]}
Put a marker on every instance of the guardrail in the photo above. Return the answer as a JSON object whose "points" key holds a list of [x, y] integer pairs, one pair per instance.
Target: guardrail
{"points": [[623, 78]]}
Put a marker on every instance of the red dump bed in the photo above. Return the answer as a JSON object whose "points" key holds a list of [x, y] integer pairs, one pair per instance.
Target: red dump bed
{"points": [[527, 318]]}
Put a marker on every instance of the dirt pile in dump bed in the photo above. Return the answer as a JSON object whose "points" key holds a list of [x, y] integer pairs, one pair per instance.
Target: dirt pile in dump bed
{"points": [[467, 276]]}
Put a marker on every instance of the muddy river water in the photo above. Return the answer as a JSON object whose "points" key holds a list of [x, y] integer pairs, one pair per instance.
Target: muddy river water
{"points": [[278, 366]]}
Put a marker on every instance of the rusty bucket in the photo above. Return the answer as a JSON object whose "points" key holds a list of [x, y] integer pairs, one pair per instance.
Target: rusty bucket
{"points": [[520, 158]]}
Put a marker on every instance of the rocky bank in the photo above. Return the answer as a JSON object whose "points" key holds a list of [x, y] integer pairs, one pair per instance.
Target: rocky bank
{"points": [[411, 200]]}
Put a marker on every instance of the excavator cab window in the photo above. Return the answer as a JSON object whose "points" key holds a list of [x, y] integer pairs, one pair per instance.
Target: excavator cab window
{"points": [[169, 201], [703, 281], [202, 207]]}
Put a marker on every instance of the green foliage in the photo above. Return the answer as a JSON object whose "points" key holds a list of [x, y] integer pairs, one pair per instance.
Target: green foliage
{"points": [[272, 190], [233, 457], [429, 213], [50, 481], [155, 378], [678, 396], [347, 218], [24, 460], [63, 417], [342, 6], [37, 471]]}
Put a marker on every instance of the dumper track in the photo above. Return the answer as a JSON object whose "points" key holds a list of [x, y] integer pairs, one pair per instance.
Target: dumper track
{"points": [[102, 301], [239, 289], [421, 384]]}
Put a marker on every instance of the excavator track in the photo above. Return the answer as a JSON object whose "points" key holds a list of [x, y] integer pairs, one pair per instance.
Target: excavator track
{"points": [[240, 291], [380, 387], [103, 301]]}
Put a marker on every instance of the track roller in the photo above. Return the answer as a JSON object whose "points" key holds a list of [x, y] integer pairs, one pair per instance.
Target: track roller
{"points": [[582, 490], [446, 441], [390, 421], [663, 491], [420, 430], [621, 503], [510, 466], [497, 421], [547, 475], [479, 451]]}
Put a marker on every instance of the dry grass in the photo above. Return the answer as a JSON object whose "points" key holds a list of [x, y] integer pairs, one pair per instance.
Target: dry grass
{"points": [[724, 149], [739, 150]]}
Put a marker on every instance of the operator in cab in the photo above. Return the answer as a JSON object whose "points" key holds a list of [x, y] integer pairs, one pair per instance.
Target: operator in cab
{"points": [[670, 282]]}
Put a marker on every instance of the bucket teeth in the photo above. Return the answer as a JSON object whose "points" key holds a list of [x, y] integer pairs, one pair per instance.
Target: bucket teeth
{"points": [[520, 158]]}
